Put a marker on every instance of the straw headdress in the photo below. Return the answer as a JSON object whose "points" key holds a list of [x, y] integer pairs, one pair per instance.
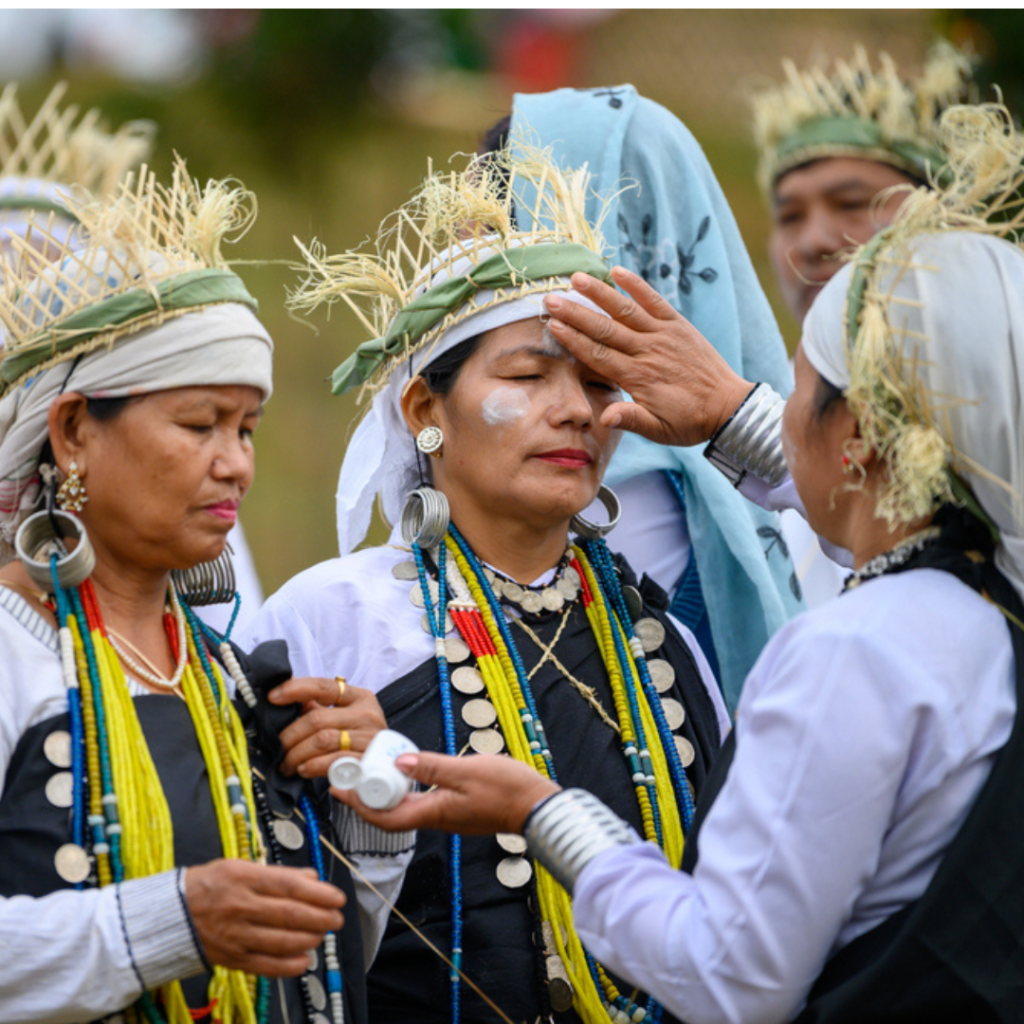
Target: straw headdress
{"points": [[56, 147], [508, 225], [856, 110], [900, 418], [152, 252]]}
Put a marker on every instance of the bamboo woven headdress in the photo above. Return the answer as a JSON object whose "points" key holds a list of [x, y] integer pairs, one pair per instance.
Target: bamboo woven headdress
{"points": [[504, 227], [57, 148], [147, 305], [153, 252], [924, 331], [471, 251], [855, 110]]}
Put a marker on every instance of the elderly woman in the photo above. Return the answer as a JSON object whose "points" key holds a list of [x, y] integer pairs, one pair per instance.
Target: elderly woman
{"points": [[486, 626], [857, 859], [138, 808]]}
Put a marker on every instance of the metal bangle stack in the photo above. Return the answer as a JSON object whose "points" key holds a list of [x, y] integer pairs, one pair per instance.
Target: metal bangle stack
{"points": [[567, 831], [751, 440]]}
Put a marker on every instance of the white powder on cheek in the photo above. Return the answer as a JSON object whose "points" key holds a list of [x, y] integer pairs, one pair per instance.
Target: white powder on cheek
{"points": [[504, 405]]}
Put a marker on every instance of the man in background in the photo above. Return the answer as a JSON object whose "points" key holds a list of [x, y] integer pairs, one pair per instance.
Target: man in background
{"points": [[832, 141]]}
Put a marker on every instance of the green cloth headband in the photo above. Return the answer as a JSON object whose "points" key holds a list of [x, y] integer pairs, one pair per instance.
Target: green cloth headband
{"points": [[38, 203], [506, 269], [816, 138], [189, 290], [863, 265]]}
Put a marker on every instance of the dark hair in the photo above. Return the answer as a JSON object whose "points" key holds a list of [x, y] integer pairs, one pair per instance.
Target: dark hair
{"points": [[826, 395], [105, 409], [441, 374], [496, 137]]}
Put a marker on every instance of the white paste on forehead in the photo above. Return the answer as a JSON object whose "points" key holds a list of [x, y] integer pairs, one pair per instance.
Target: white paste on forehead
{"points": [[553, 347], [504, 405]]}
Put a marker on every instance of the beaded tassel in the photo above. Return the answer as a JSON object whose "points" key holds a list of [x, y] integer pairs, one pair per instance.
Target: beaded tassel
{"points": [[437, 621]]}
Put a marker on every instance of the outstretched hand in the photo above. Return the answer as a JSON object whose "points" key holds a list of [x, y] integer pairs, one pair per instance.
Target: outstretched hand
{"points": [[477, 795], [682, 389]]}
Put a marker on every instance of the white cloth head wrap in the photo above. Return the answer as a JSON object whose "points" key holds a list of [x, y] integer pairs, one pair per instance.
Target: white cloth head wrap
{"points": [[381, 457], [963, 309], [221, 344]]}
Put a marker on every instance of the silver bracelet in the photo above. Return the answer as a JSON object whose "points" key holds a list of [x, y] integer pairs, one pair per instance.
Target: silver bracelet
{"points": [[751, 440], [567, 831]]}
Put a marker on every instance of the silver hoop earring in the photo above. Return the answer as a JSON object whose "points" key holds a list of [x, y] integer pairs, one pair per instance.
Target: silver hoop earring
{"points": [[429, 441], [425, 517], [595, 531], [41, 536], [210, 582]]}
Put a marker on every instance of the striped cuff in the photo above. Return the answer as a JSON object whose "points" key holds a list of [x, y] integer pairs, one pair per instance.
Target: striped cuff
{"points": [[751, 440], [359, 837], [568, 830], [161, 942]]}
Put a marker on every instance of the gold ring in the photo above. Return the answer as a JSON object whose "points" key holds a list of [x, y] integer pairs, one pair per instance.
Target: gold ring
{"points": [[344, 740], [340, 680]]}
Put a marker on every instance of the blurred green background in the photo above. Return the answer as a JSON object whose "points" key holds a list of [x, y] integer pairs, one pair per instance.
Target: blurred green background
{"points": [[330, 117]]}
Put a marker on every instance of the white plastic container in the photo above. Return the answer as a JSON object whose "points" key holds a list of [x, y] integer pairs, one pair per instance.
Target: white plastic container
{"points": [[374, 777]]}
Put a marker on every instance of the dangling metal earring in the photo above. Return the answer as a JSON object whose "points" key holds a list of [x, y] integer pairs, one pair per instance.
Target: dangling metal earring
{"points": [[71, 496], [425, 517], [429, 441], [595, 531], [44, 534], [210, 582]]}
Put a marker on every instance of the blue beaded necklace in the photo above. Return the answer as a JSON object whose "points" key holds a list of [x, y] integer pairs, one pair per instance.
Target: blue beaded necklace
{"points": [[437, 630]]}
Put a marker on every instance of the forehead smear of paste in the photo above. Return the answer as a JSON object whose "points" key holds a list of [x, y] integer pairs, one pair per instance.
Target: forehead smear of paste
{"points": [[553, 347], [504, 405]]}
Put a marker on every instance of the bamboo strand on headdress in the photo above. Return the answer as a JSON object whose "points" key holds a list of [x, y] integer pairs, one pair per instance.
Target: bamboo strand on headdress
{"points": [[899, 418], [133, 270], [474, 218]]}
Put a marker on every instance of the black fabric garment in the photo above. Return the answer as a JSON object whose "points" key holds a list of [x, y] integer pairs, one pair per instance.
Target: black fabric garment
{"points": [[956, 953], [32, 829], [408, 982]]}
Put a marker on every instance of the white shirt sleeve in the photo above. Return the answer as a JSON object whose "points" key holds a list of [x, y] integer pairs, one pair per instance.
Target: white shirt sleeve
{"points": [[73, 956]]}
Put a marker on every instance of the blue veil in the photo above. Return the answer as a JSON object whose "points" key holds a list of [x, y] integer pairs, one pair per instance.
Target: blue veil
{"points": [[678, 232]]}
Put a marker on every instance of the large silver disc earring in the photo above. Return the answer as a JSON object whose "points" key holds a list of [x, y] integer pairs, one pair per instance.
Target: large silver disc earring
{"points": [[210, 582], [43, 535], [429, 441], [425, 517], [595, 531]]}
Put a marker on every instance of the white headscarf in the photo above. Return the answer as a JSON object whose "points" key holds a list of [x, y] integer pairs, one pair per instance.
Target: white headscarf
{"points": [[221, 344], [381, 457], [961, 305]]}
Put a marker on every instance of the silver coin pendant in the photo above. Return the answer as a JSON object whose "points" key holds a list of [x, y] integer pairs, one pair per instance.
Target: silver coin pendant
{"points": [[514, 872], [57, 748]]}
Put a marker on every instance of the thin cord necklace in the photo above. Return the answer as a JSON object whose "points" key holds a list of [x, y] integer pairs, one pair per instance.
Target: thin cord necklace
{"points": [[144, 673]]}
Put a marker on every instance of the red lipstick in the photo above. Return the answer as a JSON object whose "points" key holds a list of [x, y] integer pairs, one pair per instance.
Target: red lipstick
{"points": [[573, 458]]}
